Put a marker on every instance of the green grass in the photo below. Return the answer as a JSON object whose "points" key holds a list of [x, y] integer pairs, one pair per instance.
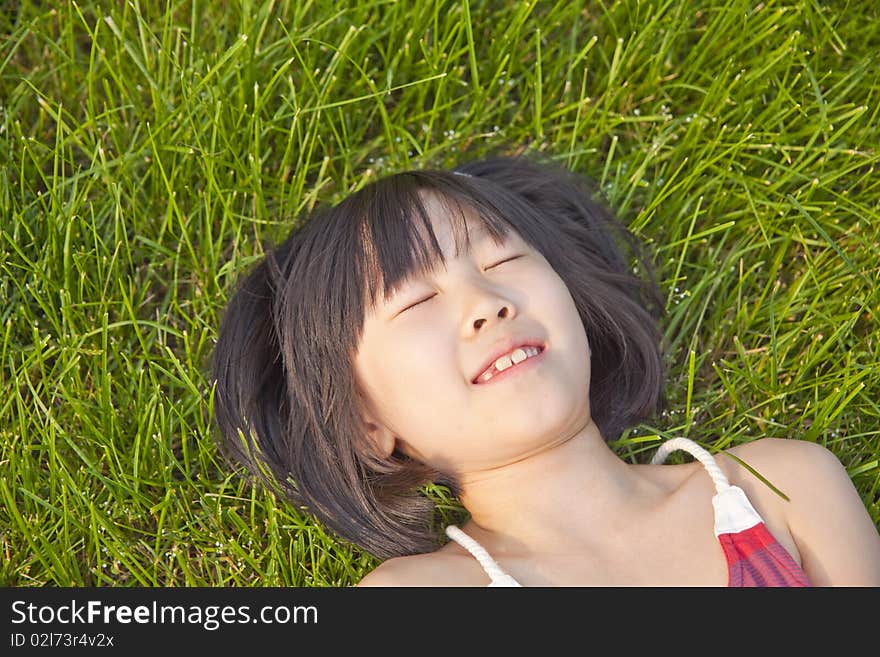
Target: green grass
{"points": [[149, 154]]}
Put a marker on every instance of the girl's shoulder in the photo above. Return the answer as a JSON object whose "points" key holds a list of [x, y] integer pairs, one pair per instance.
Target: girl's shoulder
{"points": [[443, 567], [763, 468], [836, 538], [768, 470], [781, 476], [782, 462]]}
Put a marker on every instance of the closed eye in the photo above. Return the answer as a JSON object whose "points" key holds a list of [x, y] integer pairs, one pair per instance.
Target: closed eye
{"points": [[418, 302], [505, 260], [433, 295]]}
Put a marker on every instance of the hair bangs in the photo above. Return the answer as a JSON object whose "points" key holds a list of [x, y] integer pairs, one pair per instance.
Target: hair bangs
{"points": [[397, 241]]}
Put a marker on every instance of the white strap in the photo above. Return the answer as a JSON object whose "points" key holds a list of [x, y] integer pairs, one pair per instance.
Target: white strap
{"points": [[733, 511], [498, 576], [704, 457]]}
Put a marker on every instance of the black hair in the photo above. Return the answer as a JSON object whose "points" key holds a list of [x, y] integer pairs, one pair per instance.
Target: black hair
{"points": [[287, 401]]}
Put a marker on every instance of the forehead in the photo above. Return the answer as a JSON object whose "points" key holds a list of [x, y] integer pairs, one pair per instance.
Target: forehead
{"points": [[455, 225]]}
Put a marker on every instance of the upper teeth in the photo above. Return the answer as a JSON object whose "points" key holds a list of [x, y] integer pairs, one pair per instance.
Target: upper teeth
{"points": [[515, 357]]}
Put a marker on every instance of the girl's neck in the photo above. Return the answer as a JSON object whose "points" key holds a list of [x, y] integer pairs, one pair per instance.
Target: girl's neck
{"points": [[564, 499]]}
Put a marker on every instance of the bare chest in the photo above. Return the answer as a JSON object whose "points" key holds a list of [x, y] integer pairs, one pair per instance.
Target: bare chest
{"points": [[678, 552], [677, 547]]}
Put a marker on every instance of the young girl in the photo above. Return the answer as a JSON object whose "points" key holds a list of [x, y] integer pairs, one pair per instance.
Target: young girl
{"points": [[485, 329]]}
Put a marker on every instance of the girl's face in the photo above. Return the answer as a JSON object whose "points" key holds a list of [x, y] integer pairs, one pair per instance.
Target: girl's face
{"points": [[417, 362]]}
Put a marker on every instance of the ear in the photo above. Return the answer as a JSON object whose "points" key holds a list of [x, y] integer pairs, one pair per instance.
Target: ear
{"points": [[381, 439]]}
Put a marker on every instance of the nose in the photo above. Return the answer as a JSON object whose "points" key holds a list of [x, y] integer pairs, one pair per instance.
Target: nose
{"points": [[485, 301], [493, 309]]}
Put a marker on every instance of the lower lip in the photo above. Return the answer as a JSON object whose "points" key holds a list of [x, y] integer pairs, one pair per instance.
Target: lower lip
{"points": [[525, 365]]}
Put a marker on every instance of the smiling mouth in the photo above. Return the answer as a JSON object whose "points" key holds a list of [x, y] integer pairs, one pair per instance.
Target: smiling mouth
{"points": [[492, 374]]}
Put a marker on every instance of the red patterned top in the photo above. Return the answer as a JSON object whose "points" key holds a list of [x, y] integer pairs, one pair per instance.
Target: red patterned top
{"points": [[754, 556]]}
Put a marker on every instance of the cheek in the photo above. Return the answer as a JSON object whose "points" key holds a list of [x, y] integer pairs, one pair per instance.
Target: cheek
{"points": [[568, 332], [555, 301], [415, 375]]}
